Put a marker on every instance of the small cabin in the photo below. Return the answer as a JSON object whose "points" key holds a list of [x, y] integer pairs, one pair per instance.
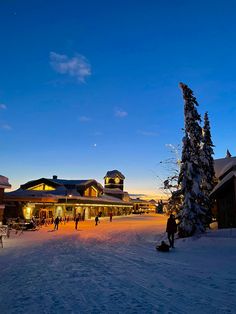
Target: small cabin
{"points": [[224, 192]]}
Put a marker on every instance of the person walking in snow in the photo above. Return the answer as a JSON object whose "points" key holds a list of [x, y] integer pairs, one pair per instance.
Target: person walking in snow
{"points": [[171, 229], [76, 222], [56, 223], [96, 220], [110, 216]]}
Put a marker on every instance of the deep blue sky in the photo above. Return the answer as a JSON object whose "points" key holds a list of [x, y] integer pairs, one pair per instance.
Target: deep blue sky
{"points": [[91, 86]]}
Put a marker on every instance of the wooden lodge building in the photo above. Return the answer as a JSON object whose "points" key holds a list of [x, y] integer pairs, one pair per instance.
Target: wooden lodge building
{"points": [[52, 197]]}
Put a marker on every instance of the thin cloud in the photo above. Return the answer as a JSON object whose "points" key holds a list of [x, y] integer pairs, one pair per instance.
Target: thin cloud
{"points": [[6, 126], [121, 113], [84, 119], [148, 133], [3, 106], [77, 67]]}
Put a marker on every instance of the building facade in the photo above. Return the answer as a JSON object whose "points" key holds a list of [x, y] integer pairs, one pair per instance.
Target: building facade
{"points": [[4, 184], [52, 197]]}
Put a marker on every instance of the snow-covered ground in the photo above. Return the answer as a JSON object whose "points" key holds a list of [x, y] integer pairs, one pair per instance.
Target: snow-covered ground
{"points": [[114, 268]]}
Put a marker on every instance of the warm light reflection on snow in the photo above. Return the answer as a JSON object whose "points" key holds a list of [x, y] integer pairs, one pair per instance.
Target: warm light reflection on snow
{"points": [[120, 229]]}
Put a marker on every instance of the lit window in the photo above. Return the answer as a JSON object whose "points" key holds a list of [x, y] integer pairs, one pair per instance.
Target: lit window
{"points": [[117, 180]]}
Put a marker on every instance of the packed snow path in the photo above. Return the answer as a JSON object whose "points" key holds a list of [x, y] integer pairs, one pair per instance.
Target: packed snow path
{"points": [[114, 268]]}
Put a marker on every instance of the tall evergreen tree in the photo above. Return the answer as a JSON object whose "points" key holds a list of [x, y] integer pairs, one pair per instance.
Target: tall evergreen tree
{"points": [[192, 212], [207, 166]]}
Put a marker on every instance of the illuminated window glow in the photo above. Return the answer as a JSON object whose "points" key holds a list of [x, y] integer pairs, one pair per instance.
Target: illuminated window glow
{"points": [[41, 187], [27, 212], [91, 191]]}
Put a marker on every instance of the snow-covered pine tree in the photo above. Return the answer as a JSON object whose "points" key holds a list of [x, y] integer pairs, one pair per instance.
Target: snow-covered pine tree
{"points": [[207, 166], [192, 213]]}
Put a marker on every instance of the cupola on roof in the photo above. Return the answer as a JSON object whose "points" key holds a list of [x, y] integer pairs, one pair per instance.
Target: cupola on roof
{"points": [[114, 174]]}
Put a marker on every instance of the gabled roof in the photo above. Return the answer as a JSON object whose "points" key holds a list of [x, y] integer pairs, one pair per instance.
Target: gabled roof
{"points": [[221, 165], [32, 183], [227, 169], [225, 180], [79, 185], [114, 174]]}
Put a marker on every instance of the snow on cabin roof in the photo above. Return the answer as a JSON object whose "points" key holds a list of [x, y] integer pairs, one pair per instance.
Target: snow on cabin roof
{"points": [[227, 178], [229, 167], [221, 165], [114, 174]]}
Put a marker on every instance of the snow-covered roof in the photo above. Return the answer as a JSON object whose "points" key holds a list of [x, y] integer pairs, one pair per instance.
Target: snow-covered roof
{"points": [[63, 186], [4, 182], [114, 174], [221, 165], [72, 182], [230, 166], [138, 200], [227, 178], [112, 199], [113, 191], [60, 191]]}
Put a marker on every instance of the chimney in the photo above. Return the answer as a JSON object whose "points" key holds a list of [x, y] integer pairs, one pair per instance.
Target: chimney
{"points": [[54, 177]]}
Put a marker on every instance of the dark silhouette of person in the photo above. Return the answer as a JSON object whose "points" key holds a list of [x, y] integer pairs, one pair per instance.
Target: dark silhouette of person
{"points": [[171, 229], [96, 220], [76, 222], [4, 220], [160, 207], [111, 215], [56, 223]]}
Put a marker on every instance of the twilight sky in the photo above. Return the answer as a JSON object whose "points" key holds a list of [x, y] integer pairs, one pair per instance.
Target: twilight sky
{"points": [[90, 86]]}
